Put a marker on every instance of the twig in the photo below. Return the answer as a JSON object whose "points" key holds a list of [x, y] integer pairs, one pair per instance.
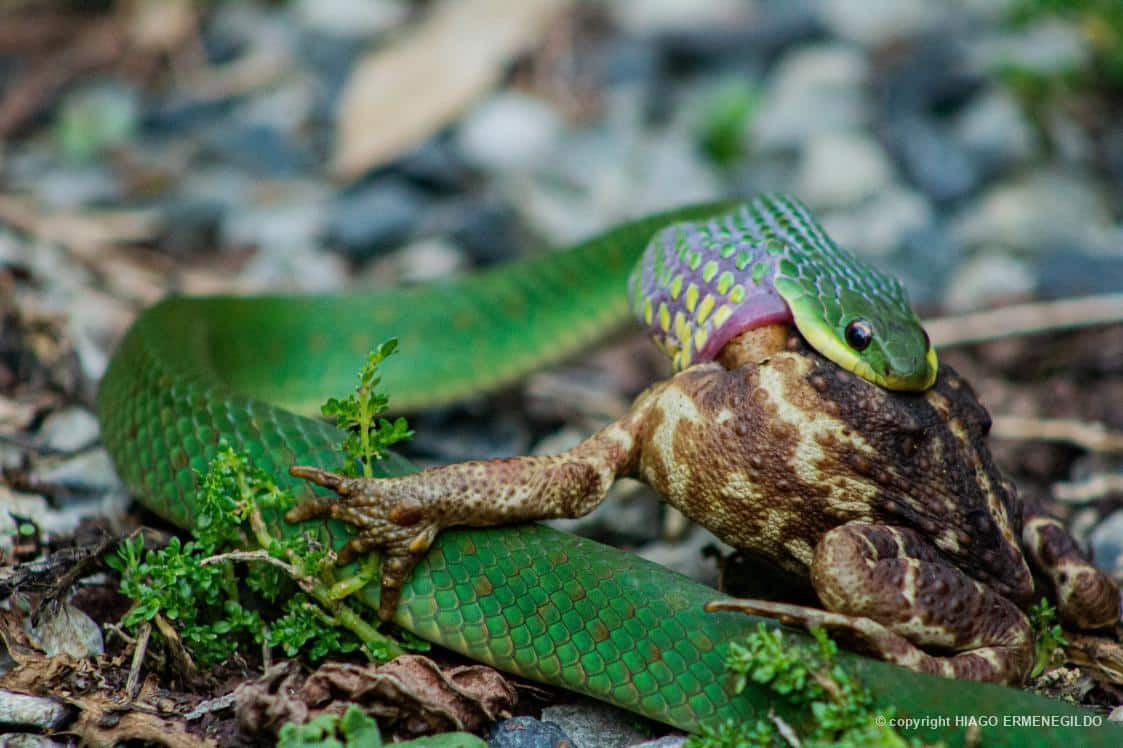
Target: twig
{"points": [[1093, 488], [1089, 435], [1025, 319], [133, 682]]}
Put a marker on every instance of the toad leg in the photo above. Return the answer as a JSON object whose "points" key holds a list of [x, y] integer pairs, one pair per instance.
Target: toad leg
{"points": [[1086, 597], [888, 589], [402, 516]]}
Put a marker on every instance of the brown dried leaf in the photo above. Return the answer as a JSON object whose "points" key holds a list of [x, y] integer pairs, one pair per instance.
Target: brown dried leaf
{"points": [[272, 700], [1100, 656], [412, 691], [398, 96]]}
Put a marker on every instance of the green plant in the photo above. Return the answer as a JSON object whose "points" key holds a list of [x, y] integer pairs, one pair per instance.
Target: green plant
{"points": [[1049, 640], [368, 436], [1101, 24], [834, 705], [194, 587], [726, 112]]}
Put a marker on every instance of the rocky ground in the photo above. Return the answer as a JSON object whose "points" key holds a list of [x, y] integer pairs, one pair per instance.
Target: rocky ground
{"points": [[151, 148]]}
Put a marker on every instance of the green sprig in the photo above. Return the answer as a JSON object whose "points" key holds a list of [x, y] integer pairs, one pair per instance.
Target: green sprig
{"points": [[368, 436]]}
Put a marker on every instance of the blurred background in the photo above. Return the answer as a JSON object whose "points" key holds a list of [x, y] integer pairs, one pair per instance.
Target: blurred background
{"points": [[973, 147], [148, 147]]}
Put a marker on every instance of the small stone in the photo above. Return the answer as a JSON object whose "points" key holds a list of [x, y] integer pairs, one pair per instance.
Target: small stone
{"points": [[429, 260], [685, 555], [350, 18], [528, 732], [511, 132], [1107, 543], [815, 89], [68, 430], [32, 712], [649, 17], [75, 187], [988, 280], [89, 472], [1048, 46], [434, 165], [881, 225], [64, 629], [1070, 272], [594, 723], [259, 149], [1038, 212], [489, 231], [934, 78], [840, 169], [284, 108], [190, 225], [287, 215], [933, 160], [876, 23], [995, 132], [667, 741], [375, 217]]}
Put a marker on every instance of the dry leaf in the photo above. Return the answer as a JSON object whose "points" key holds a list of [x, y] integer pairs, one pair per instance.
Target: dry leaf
{"points": [[398, 96], [412, 692]]}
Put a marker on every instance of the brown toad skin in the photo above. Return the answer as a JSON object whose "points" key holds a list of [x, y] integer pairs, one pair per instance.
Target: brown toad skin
{"points": [[888, 503]]}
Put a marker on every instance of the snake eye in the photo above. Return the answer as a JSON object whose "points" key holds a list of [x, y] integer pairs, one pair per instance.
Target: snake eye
{"points": [[927, 341], [859, 334]]}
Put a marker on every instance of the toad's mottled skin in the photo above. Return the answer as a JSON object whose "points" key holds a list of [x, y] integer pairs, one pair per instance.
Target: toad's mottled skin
{"points": [[887, 503]]}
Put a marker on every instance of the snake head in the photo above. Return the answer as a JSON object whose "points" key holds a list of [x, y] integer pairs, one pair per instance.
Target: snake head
{"points": [[879, 338], [700, 284]]}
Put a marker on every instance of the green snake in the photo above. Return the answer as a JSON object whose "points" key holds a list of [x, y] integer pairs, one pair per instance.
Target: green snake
{"points": [[194, 372]]}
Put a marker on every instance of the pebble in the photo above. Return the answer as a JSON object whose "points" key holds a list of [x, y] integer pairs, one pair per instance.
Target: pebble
{"points": [[684, 555], [931, 77], [815, 89], [528, 732], [78, 186], [876, 23], [375, 216], [283, 216], [68, 430], [511, 132], [594, 723], [32, 711], [995, 132], [649, 17], [89, 472], [841, 169], [1107, 542], [1071, 272], [667, 741], [429, 260], [1035, 213], [1047, 46], [259, 149], [881, 225], [933, 159], [989, 279], [350, 18], [66, 630]]}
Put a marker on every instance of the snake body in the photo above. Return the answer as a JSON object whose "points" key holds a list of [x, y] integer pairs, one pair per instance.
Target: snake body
{"points": [[194, 372]]}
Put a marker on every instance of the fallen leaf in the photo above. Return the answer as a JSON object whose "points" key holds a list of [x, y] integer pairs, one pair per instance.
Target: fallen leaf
{"points": [[398, 96], [412, 692]]}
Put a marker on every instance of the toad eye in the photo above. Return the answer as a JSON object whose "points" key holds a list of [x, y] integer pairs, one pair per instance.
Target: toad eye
{"points": [[859, 334]]}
